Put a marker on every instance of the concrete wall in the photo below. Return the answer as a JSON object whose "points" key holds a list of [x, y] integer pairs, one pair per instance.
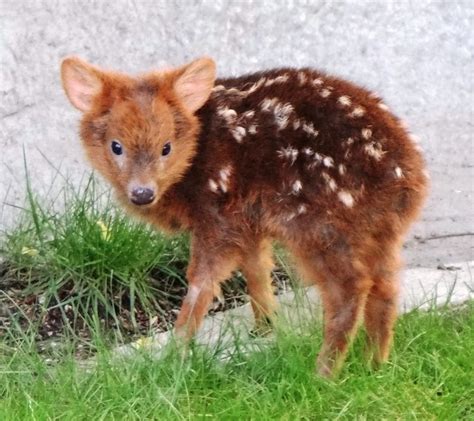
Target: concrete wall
{"points": [[418, 55]]}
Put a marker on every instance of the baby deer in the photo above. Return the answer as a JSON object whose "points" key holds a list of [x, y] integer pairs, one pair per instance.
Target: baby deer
{"points": [[292, 155]]}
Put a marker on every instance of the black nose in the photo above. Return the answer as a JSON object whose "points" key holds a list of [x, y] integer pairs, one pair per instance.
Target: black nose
{"points": [[142, 196]]}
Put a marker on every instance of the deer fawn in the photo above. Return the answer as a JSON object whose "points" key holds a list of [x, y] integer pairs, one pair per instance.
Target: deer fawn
{"points": [[295, 156]]}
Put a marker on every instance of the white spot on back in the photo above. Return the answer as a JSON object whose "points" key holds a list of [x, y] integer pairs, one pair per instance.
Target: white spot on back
{"points": [[317, 159], [282, 78], [329, 181], [341, 169], [225, 172], [302, 209], [257, 85], [248, 114], [213, 185], [228, 114], [282, 114], [374, 149], [317, 81], [309, 128], [296, 187], [252, 129], [301, 78], [289, 153], [346, 198], [296, 124], [328, 162], [344, 100], [278, 79], [223, 186], [324, 93], [224, 175], [366, 133], [239, 133], [235, 91], [308, 151], [281, 111], [222, 182], [398, 172], [267, 104], [357, 112]]}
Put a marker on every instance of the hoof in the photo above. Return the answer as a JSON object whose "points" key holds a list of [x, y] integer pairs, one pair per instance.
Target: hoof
{"points": [[326, 367], [263, 328], [324, 372]]}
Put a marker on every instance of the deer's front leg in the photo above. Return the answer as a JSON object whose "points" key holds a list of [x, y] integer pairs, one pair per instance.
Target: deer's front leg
{"points": [[209, 266]]}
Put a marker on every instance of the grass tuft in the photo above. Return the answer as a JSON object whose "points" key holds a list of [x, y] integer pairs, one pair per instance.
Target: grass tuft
{"points": [[89, 267]]}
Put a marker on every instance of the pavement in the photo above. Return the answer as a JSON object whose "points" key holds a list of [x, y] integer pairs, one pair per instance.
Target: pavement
{"points": [[422, 288]]}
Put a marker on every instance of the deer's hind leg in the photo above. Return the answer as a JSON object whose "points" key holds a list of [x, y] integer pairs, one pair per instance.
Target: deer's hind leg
{"points": [[344, 285], [256, 268], [382, 303]]}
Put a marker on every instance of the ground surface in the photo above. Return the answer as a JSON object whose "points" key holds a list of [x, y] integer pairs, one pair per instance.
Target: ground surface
{"points": [[429, 376], [418, 56]]}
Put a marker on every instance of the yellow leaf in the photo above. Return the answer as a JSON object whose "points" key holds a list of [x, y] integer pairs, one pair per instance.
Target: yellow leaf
{"points": [[29, 251], [143, 342], [104, 230]]}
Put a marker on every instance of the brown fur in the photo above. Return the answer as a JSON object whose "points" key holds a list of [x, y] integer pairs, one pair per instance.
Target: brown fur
{"points": [[240, 175]]}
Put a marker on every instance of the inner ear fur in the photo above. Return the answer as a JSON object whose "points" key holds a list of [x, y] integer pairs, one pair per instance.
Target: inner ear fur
{"points": [[81, 82], [194, 83]]}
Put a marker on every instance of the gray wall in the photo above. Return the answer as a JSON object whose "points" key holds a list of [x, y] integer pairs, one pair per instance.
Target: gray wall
{"points": [[417, 55]]}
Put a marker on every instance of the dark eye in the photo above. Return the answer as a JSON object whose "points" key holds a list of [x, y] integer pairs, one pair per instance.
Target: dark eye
{"points": [[117, 148], [166, 149]]}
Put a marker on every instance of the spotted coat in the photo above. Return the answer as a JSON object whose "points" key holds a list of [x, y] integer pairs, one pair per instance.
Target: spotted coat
{"points": [[293, 155], [340, 143]]}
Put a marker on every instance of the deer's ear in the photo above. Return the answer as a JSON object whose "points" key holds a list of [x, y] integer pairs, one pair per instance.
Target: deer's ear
{"points": [[194, 83], [81, 82]]}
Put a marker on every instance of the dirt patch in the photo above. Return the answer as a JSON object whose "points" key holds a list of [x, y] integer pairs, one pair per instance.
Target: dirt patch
{"points": [[65, 315]]}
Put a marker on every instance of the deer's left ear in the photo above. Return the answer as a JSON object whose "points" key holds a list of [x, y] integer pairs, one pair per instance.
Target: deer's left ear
{"points": [[194, 83]]}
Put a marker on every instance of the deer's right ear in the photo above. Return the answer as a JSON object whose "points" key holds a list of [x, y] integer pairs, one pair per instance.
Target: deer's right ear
{"points": [[81, 82], [194, 83]]}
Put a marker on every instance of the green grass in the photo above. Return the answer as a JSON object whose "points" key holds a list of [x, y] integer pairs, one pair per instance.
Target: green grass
{"points": [[81, 259], [91, 259], [429, 376]]}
